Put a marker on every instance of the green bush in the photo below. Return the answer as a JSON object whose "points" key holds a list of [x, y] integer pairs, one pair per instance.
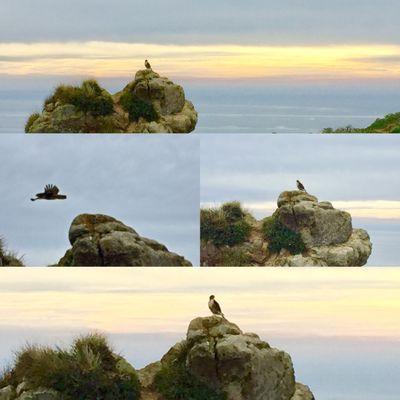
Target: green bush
{"points": [[280, 237], [233, 211], [174, 382], [223, 227], [88, 98], [88, 371], [9, 258], [31, 121], [137, 107]]}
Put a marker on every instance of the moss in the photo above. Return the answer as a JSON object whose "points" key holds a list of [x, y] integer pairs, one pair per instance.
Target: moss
{"points": [[137, 108], [175, 382], [224, 226], [88, 98], [87, 371], [31, 121], [280, 237]]}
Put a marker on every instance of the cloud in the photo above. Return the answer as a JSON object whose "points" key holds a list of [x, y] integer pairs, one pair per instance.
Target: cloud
{"points": [[190, 21]]}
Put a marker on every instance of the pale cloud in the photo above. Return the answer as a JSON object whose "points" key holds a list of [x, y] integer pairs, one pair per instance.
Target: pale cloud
{"points": [[117, 59]]}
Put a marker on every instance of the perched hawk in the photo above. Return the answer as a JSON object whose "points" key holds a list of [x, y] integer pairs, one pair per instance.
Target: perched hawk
{"points": [[147, 64], [50, 193], [300, 186], [214, 307]]}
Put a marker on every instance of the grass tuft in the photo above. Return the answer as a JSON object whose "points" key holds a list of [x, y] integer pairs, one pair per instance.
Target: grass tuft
{"points": [[225, 226], [87, 371]]}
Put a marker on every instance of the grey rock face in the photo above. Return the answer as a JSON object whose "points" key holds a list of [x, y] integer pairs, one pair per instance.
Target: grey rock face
{"points": [[239, 364], [319, 224], [40, 394], [100, 240]]}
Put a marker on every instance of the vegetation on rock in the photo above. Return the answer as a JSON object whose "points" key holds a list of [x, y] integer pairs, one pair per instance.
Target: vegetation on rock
{"points": [[89, 370], [280, 237], [389, 124], [88, 98], [225, 226], [9, 258], [137, 108], [175, 382]]}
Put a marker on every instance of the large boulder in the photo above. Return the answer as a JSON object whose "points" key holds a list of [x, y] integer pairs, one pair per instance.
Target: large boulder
{"points": [[239, 365], [101, 240], [236, 363], [318, 223]]}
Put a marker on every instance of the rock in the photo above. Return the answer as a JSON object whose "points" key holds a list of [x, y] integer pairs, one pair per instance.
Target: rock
{"points": [[239, 365], [100, 240], [40, 394], [319, 224], [7, 393], [302, 392], [173, 113], [327, 234]]}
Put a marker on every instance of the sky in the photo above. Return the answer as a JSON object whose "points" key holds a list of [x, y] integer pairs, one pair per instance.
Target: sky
{"points": [[148, 183], [258, 39], [324, 318], [357, 173]]}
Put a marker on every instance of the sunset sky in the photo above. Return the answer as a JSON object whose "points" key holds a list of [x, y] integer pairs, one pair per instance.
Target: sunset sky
{"points": [[339, 325], [187, 39]]}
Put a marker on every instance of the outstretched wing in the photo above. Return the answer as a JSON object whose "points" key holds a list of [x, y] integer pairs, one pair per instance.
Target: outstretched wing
{"points": [[51, 190]]}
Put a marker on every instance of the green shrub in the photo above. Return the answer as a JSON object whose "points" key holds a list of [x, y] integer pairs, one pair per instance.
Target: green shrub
{"points": [[88, 371], [31, 121], [175, 382], [137, 107], [396, 130], [88, 98], [280, 237], [9, 258], [233, 211], [223, 227]]}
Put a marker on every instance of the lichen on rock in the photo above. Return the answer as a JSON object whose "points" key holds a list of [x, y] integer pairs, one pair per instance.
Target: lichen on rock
{"points": [[101, 240]]}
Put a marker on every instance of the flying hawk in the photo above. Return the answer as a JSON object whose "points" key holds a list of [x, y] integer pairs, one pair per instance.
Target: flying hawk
{"points": [[214, 307], [50, 193], [300, 186], [147, 64]]}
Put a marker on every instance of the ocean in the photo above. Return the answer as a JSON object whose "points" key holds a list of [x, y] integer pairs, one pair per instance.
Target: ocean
{"points": [[242, 108]]}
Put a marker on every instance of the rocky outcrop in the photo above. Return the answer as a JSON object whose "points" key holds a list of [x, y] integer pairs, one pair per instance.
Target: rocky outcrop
{"points": [[9, 258], [100, 240], [319, 235], [239, 365], [149, 104], [216, 360]]}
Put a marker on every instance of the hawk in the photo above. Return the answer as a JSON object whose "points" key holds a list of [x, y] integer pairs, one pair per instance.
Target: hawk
{"points": [[50, 193], [214, 307], [300, 186], [147, 64]]}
